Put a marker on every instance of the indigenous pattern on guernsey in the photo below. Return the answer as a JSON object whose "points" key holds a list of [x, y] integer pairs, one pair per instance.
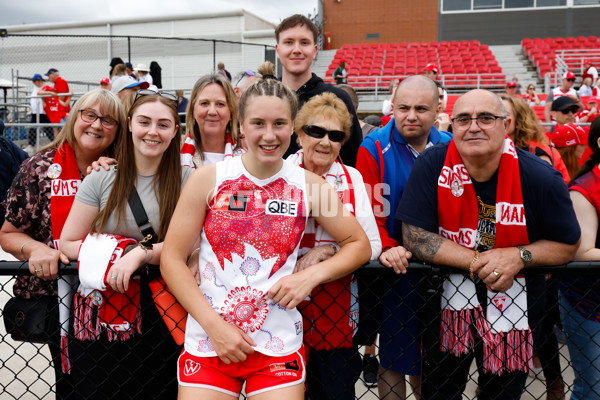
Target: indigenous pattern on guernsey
{"points": [[250, 240]]}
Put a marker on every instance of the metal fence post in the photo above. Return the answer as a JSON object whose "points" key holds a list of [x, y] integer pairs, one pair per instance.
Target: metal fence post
{"points": [[431, 355]]}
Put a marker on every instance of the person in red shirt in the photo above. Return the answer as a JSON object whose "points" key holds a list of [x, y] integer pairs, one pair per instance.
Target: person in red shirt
{"points": [[60, 86], [588, 71], [591, 111]]}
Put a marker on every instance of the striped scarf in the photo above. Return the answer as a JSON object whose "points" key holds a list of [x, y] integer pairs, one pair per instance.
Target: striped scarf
{"points": [[191, 158], [503, 328], [99, 308], [331, 315], [66, 179]]}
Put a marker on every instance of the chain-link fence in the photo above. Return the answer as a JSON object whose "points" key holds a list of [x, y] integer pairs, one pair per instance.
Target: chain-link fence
{"points": [[524, 357]]}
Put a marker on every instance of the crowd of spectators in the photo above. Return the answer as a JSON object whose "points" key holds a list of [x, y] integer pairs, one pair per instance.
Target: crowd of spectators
{"points": [[484, 191]]}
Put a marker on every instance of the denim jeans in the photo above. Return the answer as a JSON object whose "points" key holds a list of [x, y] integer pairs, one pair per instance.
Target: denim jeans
{"points": [[583, 341]]}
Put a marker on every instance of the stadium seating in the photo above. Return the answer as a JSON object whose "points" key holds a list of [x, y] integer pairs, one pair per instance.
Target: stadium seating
{"points": [[542, 52], [463, 64]]}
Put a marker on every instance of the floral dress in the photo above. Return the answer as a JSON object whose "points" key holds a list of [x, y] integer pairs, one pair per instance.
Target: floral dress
{"points": [[28, 209]]}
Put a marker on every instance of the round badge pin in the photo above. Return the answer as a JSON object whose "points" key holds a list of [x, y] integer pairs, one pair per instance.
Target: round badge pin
{"points": [[96, 298], [457, 188], [54, 171]]}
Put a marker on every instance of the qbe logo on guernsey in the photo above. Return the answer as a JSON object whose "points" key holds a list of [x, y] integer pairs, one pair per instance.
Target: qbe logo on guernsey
{"points": [[281, 207]]}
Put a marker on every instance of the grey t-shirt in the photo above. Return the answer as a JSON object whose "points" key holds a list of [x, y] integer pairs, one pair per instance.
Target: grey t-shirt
{"points": [[94, 191]]}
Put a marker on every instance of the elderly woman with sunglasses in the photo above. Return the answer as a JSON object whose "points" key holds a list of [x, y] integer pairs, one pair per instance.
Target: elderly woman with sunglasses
{"points": [[121, 347], [41, 196], [330, 317]]}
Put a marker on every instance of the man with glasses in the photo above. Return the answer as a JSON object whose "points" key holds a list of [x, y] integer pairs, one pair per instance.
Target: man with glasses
{"points": [[385, 160], [565, 89], [242, 81], [487, 209]]}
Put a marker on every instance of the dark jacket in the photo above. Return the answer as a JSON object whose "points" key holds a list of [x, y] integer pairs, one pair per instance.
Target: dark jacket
{"points": [[11, 157], [314, 87]]}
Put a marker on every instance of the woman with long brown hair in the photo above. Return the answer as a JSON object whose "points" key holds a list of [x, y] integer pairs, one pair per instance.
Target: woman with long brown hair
{"points": [[39, 201], [116, 349], [527, 134]]}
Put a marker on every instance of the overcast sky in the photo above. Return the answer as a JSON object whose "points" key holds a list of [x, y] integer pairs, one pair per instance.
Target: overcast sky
{"points": [[40, 11]]}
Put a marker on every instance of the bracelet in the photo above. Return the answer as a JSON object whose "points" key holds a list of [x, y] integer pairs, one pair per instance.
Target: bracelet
{"points": [[23, 246], [334, 247], [471, 275], [148, 252]]}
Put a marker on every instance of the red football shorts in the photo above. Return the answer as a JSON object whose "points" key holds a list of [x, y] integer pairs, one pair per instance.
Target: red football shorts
{"points": [[260, 372]]}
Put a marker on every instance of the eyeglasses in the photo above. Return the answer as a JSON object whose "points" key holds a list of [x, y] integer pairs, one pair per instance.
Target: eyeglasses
{"points": [[245, 74], [570, 110], [484, 121], [90, 117], [571, 80], [319, 133], [149, 92]]}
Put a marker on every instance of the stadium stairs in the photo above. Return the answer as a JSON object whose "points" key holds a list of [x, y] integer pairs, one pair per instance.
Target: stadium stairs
{"points": [[514, 62]]}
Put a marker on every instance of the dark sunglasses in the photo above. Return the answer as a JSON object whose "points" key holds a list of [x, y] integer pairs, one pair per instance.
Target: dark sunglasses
{"points": [[318, 133], [149, 92], [570, 110], [571, 80]]}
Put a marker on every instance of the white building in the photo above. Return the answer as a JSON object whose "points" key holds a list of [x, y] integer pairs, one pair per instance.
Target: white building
{"points": [[82, 52]]}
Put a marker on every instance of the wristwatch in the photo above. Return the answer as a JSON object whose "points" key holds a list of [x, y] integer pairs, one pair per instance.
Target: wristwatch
{"points": [[526, 255]]}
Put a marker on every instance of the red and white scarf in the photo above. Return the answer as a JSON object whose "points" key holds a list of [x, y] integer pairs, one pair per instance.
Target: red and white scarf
{"points": [[189, 157], [504, 329], [331, 315], [66, 178], [98, 307]]}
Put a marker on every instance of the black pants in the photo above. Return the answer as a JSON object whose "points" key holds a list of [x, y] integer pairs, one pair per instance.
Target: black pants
{"points": [[548, 346], [32, 133], [331, 374], [455, 370], [143, 368]]}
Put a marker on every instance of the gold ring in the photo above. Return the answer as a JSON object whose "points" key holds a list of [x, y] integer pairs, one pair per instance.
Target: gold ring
{"points": [[497, 275]]}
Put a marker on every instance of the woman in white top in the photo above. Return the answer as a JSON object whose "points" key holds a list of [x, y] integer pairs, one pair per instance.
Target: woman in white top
{"points": [[212, 128]]}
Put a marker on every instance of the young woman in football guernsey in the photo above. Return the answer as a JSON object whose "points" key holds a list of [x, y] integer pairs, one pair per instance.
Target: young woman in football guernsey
{"points": [[250, 213]]}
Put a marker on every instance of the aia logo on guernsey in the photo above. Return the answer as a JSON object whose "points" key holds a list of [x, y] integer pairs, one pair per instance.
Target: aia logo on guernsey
{"points": [[510, 214], [191, 367], [66, 187]]}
